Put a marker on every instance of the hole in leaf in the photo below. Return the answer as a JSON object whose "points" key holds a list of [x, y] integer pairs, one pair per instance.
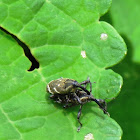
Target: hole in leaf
{"points": [[35, 63]]}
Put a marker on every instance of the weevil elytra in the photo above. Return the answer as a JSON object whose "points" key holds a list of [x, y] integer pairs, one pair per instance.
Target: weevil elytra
{"points": [[70, 93]]}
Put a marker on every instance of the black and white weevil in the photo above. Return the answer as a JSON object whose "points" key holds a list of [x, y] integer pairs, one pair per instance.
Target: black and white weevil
{"points": [[70, 93]]}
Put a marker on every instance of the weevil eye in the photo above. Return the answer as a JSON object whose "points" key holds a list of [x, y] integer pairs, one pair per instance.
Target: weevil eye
{"points": [[75, 83]]}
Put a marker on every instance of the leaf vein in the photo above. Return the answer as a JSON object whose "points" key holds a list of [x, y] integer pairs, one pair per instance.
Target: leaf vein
{"points": [[11, 122]]}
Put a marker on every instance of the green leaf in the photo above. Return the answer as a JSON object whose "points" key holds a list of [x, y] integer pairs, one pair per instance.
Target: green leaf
{"points": [[68, 40]]}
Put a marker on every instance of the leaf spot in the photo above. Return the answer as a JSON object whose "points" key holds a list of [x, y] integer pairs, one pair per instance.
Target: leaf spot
{"points": [[120, 85], [83, 53], [89, 137], [103, 36], [125, 52]]}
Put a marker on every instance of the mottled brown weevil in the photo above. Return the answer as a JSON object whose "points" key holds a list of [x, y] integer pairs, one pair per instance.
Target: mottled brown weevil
{"points": [[70, 93]]}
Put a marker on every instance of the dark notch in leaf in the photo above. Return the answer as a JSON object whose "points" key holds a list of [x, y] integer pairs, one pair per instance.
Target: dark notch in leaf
{"points": [[107, 18], [35, 63]]}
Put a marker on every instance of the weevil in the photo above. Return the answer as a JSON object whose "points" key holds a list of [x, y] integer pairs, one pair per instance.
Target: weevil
{"points": [[71, 93]]}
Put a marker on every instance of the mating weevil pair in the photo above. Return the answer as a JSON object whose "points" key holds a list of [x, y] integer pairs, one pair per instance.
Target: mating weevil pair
{"points": [[70, 93]]}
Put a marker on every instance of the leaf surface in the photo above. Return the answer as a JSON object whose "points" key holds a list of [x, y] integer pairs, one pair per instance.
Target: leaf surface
{"points": [[68, 40]]}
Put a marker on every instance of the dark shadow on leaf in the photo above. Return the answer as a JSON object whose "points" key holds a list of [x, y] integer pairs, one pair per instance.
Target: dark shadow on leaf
{"points": [[124, 109], [107, 18]]}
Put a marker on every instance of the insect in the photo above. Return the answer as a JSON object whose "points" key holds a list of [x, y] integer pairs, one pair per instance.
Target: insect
{"points": [[71, 93]]}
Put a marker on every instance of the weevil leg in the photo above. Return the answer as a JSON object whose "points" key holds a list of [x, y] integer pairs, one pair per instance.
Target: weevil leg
{"points": [[56, 98], [78, 118], [78, 99], [52, 96], [59, 100], [84, 89], [67, 105], [103, 103], [86, 82], [100, 105]]}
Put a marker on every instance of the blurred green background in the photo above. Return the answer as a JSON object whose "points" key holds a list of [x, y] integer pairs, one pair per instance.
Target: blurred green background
{"points": [[125, 109]]}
